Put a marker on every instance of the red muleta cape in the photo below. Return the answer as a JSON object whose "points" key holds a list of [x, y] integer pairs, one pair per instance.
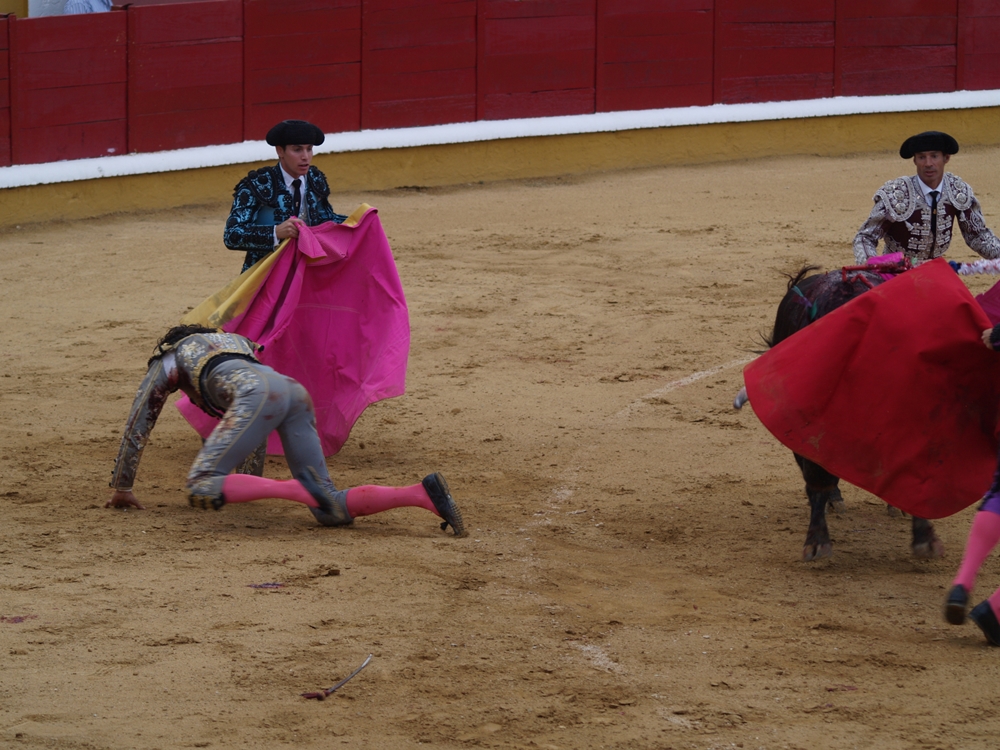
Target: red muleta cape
{"points": [[893, 392]]}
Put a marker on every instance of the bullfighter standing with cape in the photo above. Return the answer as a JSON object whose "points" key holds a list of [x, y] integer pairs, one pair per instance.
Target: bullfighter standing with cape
{"points": [[329, 311], [319, 292]]}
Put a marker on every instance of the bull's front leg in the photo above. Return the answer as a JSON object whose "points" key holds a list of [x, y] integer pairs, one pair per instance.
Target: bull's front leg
{"points": [[821, 489], [818, 544], [926, 544]]}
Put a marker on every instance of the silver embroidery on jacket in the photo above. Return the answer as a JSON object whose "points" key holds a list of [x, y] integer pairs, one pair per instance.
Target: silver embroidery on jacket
{"points": [[901, 218]]}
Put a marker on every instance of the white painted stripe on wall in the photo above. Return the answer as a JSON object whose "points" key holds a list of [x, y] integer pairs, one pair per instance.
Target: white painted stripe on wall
{"points": [[249, 152]]}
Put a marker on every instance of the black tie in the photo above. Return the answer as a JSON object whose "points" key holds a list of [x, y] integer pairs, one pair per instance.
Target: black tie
{"points": [[934, 198], [297, 198]]}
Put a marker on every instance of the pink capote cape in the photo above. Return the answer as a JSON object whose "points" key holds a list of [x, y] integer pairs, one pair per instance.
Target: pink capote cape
{"points": [[330, 312], [894, 392]]}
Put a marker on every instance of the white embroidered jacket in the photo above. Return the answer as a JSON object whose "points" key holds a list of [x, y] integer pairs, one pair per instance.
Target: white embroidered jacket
{"points": [[901, 218]]}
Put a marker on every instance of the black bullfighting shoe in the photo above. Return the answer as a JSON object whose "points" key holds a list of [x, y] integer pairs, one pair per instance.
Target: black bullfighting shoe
{"points": [[956, 604], [206, 501], [332, 510], [982, 615], [437, 490]]}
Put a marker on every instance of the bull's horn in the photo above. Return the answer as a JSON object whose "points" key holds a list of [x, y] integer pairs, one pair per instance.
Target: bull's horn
{"points": [[741, 398]]}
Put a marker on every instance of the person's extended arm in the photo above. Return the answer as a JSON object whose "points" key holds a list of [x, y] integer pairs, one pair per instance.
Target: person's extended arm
{"points": [[123, 499], [160, 382], [977, 235], [866, 240]]}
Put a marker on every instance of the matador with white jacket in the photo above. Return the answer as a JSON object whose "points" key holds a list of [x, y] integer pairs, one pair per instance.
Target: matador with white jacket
{"points": [[916, 215]]}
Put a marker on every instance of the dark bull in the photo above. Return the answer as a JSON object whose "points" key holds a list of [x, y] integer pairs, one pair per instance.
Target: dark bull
{"points": [[810, 296]]}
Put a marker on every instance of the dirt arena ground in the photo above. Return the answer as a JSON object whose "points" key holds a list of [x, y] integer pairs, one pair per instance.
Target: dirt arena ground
{"points": [[632, 579]]}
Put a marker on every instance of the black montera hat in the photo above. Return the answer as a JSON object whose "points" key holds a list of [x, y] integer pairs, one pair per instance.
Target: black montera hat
{"points": [[289, 132], [932, 140]]}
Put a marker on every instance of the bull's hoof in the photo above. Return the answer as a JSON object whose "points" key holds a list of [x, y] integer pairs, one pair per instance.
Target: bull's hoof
{"points": [[812, 552], [929, 549]]}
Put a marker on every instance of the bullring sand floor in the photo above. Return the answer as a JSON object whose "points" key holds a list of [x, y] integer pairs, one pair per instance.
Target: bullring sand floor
{"points": [[632, 576]]}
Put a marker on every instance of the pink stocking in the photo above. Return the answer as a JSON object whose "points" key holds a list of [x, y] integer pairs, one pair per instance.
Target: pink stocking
{"points": [[369, 499], [983, 537], [243, 488]]}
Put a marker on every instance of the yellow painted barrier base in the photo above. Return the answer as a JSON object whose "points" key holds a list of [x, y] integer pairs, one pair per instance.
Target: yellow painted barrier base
{"points": [[18, 7], [507, 159]]}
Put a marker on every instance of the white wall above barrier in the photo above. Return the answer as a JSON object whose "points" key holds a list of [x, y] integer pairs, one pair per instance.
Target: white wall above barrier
{"points": [[250, 152]]}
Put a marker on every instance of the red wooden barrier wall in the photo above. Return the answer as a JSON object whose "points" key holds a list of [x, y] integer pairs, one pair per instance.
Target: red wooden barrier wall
{"points": [[180, 74], [301, 61], [654, 53], [67, 87], [978, 48], [185, 75], [419, 62], [896, 46], [4, 94], [536, 58], [773, 50]]}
